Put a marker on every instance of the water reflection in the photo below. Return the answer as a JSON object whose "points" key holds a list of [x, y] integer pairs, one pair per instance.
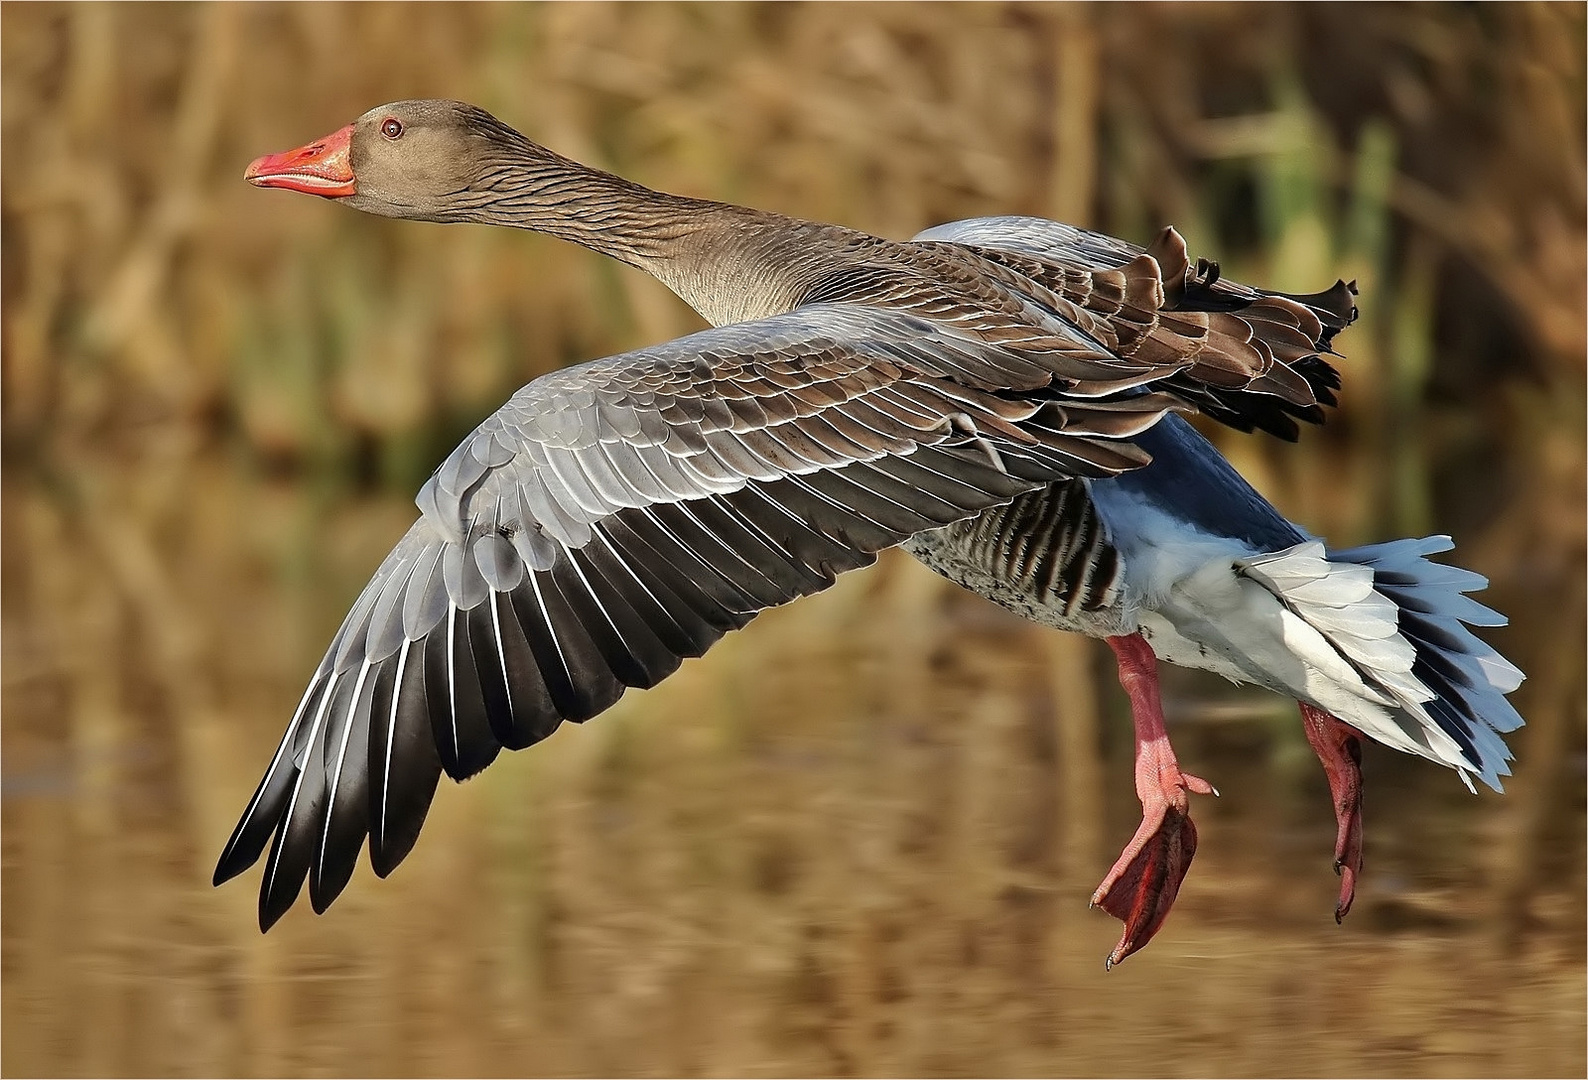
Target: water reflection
{"points": [[857, 838]]}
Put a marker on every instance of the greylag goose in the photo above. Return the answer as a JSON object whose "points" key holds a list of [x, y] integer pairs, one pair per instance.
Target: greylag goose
{"points": [[999, 396]]}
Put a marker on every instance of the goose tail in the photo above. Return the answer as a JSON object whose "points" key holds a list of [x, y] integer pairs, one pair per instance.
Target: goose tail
{"points": [[1468, 678]]}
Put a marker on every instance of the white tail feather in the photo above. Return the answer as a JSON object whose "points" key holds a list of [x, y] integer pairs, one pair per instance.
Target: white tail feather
{"points": [[1409, 639]]}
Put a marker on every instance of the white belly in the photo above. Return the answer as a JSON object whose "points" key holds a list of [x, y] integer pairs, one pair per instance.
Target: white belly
{"points": [[1173, 647]]}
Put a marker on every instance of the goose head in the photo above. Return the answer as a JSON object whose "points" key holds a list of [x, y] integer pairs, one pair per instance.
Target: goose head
{"points": [[429, 160]]}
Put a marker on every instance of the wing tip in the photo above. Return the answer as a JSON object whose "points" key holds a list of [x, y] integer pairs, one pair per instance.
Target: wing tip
{"points": [[228, 866], [273, 904]]}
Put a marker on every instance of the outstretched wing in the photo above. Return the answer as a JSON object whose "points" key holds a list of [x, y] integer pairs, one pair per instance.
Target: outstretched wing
{"points": [[1252, 358], [615, 517]]}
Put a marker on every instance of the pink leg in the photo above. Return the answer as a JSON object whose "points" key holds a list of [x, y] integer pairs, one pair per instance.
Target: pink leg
{"points": [[1339, 746], [1141, 887]]}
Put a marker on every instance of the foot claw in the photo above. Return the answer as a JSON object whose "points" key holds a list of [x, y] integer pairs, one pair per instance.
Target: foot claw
{"points": [[1347, 891]]}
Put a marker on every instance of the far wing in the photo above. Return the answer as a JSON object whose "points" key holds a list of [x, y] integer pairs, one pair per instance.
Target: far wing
{"points": [[615, 517], [1254, 358]]}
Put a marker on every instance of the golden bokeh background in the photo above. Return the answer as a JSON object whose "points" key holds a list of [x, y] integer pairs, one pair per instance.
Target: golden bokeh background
{"points": [[859, 836]]}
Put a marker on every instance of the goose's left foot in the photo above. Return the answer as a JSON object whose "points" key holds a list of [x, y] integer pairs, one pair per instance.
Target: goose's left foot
{"points": [[1143, 884], [1339, 746]]}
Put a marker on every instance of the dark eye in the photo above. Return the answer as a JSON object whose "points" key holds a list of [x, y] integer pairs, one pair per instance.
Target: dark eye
{"points": [[391, 127]]}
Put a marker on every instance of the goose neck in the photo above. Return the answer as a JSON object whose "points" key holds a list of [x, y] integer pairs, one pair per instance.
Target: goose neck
{"points": [[538, 190]]}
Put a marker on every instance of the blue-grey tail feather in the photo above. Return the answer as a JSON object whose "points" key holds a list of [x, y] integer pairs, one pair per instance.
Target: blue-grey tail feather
{"points": [[1469, 678]]}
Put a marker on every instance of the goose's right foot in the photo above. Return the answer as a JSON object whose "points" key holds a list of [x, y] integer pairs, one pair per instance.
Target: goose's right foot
{"points": [[1143, 884], [1339, 746]]}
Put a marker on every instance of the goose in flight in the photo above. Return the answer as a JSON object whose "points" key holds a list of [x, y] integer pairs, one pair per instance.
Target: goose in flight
{"points": [[999, 396]]}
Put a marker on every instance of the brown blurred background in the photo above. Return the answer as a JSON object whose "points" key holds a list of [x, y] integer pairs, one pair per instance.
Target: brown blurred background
{"points": [[858, 838]]}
